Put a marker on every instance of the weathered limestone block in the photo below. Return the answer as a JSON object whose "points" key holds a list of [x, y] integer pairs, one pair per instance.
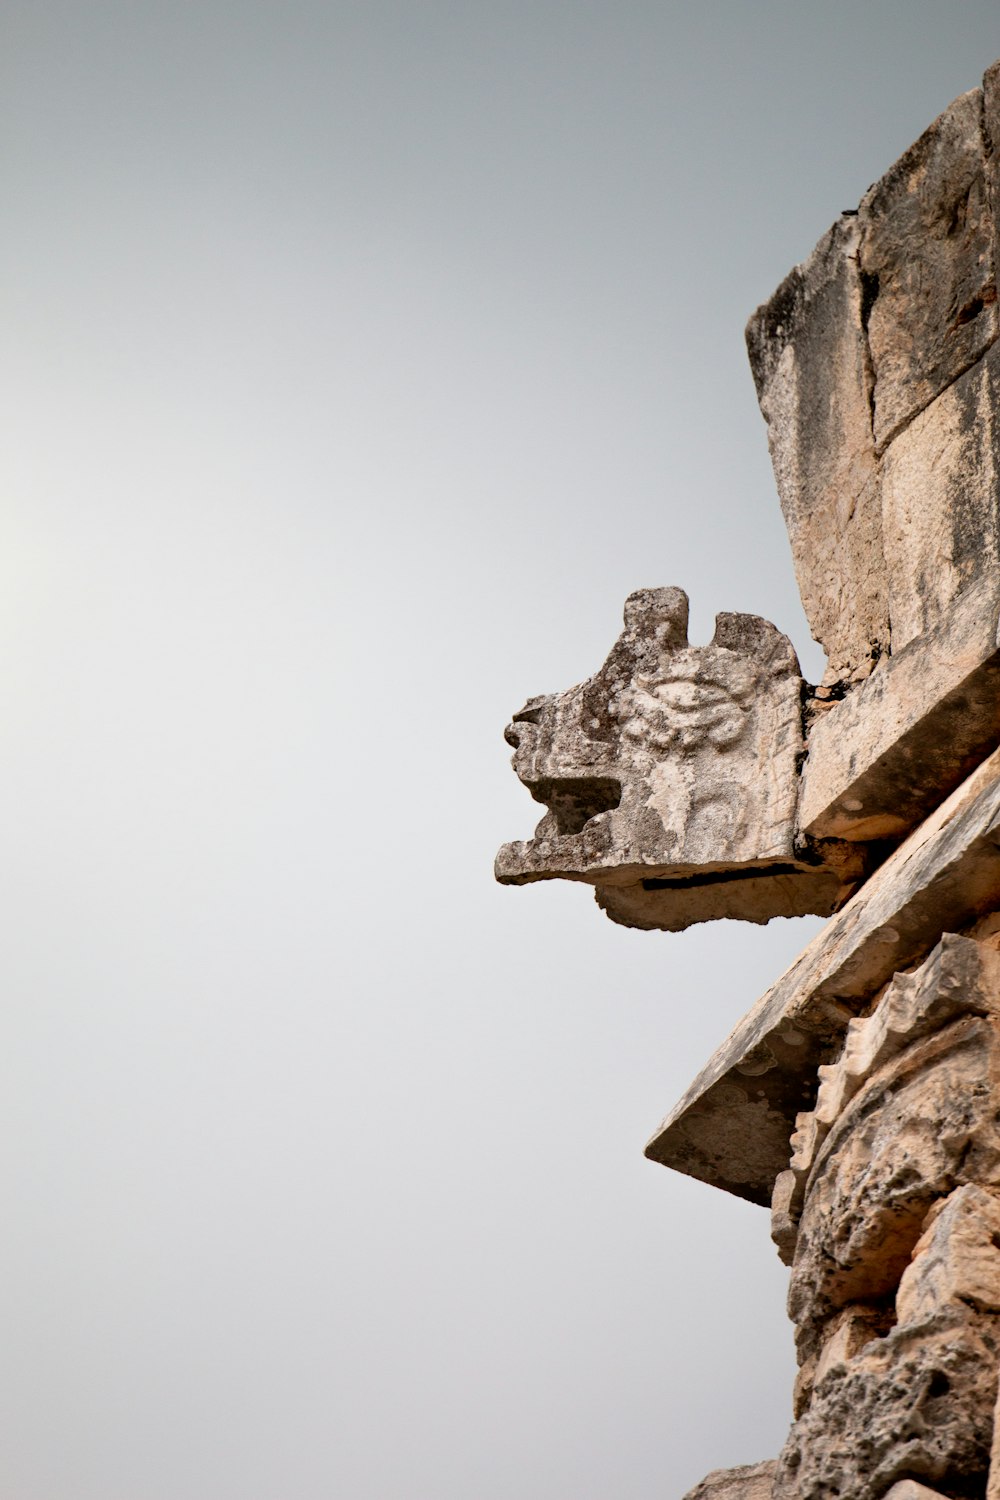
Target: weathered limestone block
{"points": [[915, 1399], [922, 1126], [809, 357], [877, 371], [956, 1259], [748, 1482], [671, 776], [732, 1126], [927, 260], [941, 503], [881, 759], [916, 1405]]}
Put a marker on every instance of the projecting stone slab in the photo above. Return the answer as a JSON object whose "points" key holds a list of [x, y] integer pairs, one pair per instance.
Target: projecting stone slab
{"points": [[884, 756], [671, 777], [732, 1127]]}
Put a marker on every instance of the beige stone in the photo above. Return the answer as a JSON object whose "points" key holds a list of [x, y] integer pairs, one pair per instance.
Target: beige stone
{"points": [[786, 1206], [733, 1125], [924, 1125], [809, 356], [847, 1333], [909, 1489], [956, 1259], [877, 373], [927, 259], [881, 759], [671, 776], [993, 1482], [748, 1482], [914, 1406], [941, 505], [961, 977]]}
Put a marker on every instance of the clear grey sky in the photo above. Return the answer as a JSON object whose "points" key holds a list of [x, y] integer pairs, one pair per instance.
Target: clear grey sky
{"points": [[359, 359]]}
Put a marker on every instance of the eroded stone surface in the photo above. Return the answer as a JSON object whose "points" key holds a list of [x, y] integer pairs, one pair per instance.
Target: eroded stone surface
{"points": [[809, 356], [748, 1482], [881, 759], [671, 776], [941, 502], [927, 258], [922, 1126], [916, 1405], [876, 368], [895, 1283]]}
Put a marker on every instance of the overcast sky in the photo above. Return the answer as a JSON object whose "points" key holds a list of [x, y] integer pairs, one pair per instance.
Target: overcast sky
{"points": [[360, 358]]}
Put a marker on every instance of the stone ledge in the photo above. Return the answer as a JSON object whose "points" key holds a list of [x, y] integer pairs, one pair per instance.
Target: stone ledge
{"points": [[880, 759], [732, 1127]]}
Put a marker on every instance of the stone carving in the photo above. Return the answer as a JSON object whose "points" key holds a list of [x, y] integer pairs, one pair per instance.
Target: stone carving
{"points": [[671, 776], [861, 1095]]}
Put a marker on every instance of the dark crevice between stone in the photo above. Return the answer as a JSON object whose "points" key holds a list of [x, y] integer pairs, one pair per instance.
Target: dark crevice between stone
{"points": [[869, 296], [716, 877]]}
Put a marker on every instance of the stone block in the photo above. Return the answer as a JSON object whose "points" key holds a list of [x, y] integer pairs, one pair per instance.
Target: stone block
{"points": [[881, 759], [926, 258], [909, 1489], [748, 1482], [941, 504], [809, 357]]}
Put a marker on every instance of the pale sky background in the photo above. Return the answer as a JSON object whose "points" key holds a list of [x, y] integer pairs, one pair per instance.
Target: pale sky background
{"points": [[359, 360]]}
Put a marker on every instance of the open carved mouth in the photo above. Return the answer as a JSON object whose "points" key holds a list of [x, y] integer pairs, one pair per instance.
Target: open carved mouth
{"points": [[573, 802]]}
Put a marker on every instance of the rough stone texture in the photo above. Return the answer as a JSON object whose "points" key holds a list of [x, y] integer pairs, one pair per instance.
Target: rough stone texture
{"points": [[941, 502], [915, 1405], [895, 1283], [956, 1259], [732, 1126], [927, 260], [961, 977], [922, 1126], [881, 759], [748, 1482], [877, 373], [893, 305], [671, 776], [810, 362]]}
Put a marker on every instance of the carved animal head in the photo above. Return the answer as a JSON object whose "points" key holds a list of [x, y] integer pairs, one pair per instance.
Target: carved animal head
{"points": [[673, 768]]}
